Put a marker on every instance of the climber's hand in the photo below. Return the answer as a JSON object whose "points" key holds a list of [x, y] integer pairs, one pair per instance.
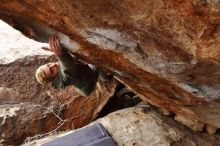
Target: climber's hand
{"points": [[55, 46]]}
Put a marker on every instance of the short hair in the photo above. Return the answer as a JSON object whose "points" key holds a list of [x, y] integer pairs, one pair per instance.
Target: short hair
{"points": [[41, 77]]}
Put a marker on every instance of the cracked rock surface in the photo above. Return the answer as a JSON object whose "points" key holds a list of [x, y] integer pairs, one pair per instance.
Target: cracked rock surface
{"points": [[146, 126], [28, 109], [166, 51]]}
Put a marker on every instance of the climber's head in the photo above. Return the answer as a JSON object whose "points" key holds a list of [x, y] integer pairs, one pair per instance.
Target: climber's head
{"points": [[47, 72]]}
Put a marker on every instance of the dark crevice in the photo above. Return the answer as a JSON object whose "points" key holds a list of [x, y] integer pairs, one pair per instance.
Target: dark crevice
{"points": [[123, 98]]}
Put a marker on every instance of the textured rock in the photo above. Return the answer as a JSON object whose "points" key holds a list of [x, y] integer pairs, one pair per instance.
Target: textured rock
{"points": [[211, 129], [14, 45], [167, 51], [145, 126], [29, 109], [195, 125]]}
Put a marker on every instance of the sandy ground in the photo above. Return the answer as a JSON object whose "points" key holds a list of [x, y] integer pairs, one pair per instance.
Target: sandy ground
{"points": [[14, 45]]}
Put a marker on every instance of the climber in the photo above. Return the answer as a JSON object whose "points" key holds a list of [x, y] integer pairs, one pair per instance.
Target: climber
{"points": [[67, 71]]}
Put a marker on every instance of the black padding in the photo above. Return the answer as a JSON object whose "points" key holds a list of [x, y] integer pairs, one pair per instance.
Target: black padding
{"points": [[94, 135]]}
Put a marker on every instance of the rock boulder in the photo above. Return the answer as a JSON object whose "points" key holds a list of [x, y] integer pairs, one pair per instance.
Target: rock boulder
{"points": [[29, 109], [143, 125]]}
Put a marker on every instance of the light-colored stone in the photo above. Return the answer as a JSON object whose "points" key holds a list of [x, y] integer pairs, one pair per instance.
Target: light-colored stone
{"points": [[144, 126], [193, 124], [14, 45]]}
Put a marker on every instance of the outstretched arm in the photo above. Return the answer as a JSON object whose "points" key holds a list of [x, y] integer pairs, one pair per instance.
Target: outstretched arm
{"points": [[73, 72], [64, 58]]}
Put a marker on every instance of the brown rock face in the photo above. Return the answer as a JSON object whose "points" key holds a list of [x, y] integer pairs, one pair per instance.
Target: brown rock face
{"points": [[167, 51], [28, 108]]}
